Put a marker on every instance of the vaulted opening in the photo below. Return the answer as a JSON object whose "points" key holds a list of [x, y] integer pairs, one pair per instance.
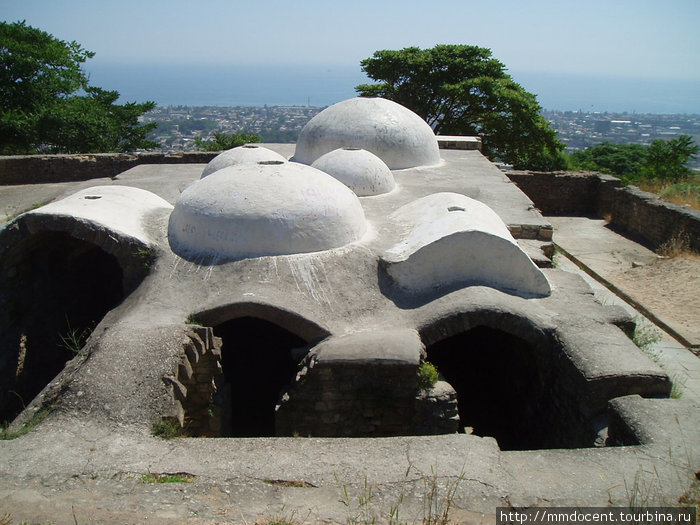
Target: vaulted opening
{"points": [[259, 360], [56, 289], [501, 382]]}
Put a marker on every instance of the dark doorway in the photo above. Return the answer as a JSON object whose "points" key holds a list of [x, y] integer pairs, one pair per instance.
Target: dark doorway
{"points": [[499, 382], [58, 290], [259, 362]]}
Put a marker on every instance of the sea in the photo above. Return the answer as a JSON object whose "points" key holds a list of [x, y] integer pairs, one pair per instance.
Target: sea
{"points": [[323, 85]]}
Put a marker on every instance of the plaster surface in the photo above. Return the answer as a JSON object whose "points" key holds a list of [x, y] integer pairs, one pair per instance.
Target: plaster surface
{"points": [[118, 208], [248, 153], [451, 240], [361, 171], [392, 132], [265, 208]]}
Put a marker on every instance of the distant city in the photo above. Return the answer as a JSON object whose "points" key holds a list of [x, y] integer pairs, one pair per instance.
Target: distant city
{"points": [[178, 126]]}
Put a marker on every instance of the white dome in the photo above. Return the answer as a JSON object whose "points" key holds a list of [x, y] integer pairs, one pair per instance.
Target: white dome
{"points": [[361, 171], [240, 155], [392, 132], [268, 208]]}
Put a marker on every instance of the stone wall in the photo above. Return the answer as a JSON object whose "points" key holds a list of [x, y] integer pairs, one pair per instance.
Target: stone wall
{"points": [[349, 400], [364, 400], [38, 169], [637, 212], [197, 385], [365, 385], [645, 214]]}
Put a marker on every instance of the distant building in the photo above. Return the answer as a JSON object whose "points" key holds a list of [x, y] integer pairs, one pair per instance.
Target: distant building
{"points": [[601, 126]]}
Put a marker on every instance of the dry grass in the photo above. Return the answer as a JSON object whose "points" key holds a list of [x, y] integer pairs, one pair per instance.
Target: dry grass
{"points": [[676, 247], [682, 193]]}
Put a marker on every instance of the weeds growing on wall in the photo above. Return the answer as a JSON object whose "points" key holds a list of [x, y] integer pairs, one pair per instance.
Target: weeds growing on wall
{"points": [[31, 424], [645, 336], [166, 428], [427, 376], [74, 339], [677, 246], [147, 256], [192, 319]]}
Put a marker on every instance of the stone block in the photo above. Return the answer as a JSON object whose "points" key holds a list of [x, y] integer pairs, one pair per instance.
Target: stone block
{"points": [[377, 348]]}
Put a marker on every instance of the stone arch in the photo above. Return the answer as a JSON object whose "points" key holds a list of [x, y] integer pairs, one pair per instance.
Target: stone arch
{"points": [[261, 348], [502, 367], [290, 321]]}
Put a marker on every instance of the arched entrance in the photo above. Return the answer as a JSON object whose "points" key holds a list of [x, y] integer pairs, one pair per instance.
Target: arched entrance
{"points": [[56, 289], [259, 360], [501, 384]]}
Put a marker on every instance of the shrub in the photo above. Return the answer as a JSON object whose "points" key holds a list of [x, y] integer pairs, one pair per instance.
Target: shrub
{"points": [[427, 376]]}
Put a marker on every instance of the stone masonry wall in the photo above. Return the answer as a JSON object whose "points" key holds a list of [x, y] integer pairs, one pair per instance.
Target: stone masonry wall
{"points": [[635, 211], [38, 169], [646, 215], [363, 400], [563, 193], [196, 383], [345, 401]]}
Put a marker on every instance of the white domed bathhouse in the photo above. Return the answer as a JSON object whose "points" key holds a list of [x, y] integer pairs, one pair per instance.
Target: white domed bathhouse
{"points": [[302, 291]]}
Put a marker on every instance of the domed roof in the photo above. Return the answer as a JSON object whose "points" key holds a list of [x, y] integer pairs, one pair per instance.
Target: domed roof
{"points": [[361, 171], [240, 155], [392, 132], [268, 208]]}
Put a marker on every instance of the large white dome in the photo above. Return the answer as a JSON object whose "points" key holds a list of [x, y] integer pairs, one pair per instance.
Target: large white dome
{"points": [[268, 208], [240, 155], [392, 132]]}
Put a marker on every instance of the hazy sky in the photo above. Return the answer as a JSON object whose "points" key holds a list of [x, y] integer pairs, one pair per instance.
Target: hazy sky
{"points": [[658, 38]]}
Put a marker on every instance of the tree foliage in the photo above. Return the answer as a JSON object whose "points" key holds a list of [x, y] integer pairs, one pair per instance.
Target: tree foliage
{"points": [[46, 104], [668, 160], [662, 160], [614, 159], [222, 141], [463, 90]]}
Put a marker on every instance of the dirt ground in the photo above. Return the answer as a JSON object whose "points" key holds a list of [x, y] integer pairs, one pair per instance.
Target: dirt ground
{"points": [[670, 288]]}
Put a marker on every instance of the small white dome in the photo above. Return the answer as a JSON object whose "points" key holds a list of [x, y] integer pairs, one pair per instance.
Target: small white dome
{"points": [[240, 155], [392, 132], [361, 171], [268, 208]]}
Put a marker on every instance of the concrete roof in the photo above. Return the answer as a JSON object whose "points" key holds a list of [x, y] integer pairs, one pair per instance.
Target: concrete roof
{"points": [[100, 436]]}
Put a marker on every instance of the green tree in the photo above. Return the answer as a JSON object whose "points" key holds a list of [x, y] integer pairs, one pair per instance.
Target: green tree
{"points": [[662, 160], [222, 141], [623, 160], [46, 103], [668, 160], [463, 90]]}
